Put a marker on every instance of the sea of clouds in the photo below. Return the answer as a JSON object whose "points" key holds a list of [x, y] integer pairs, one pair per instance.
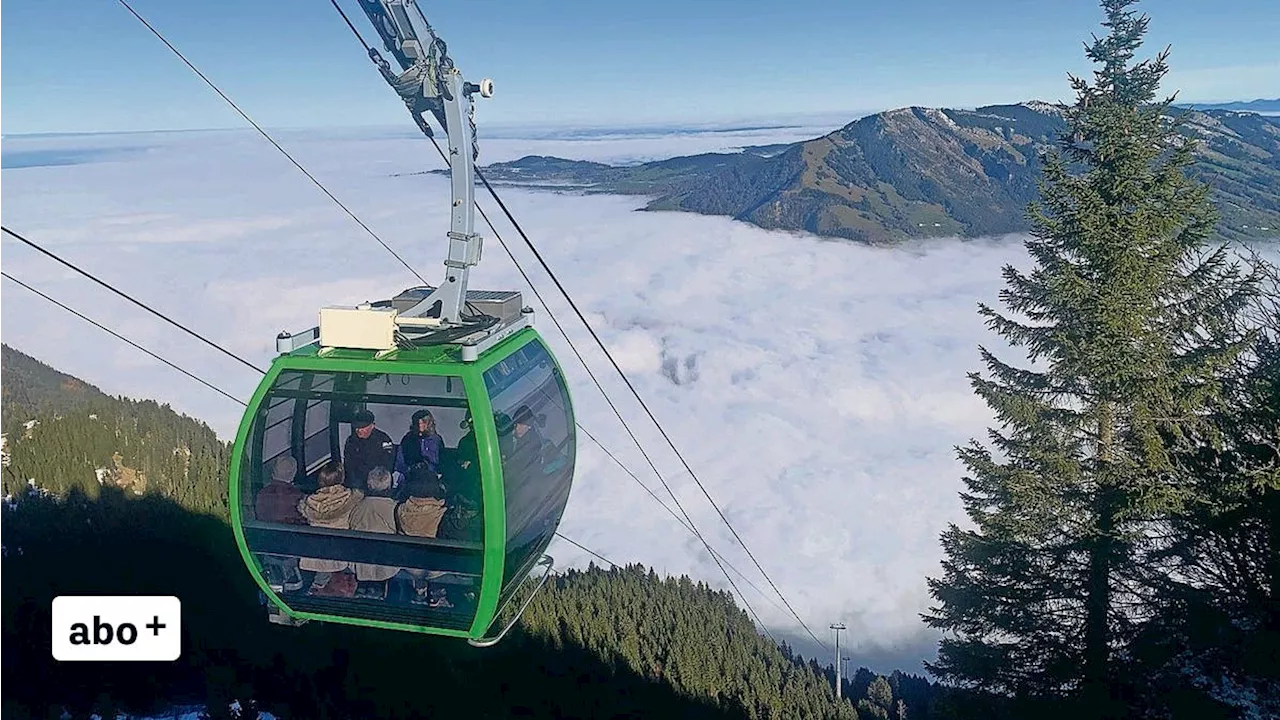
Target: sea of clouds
{"points": [[817, 387]]}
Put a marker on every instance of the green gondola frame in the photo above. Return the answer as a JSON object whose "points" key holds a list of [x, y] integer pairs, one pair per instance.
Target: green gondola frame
{"points": [[499, 584]]}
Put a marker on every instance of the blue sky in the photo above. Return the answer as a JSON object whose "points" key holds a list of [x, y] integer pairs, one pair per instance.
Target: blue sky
{"points": [[87, 65]]}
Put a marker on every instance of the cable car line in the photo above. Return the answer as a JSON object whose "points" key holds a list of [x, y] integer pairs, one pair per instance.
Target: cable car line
{"points": [[106, 285], [636, 393], [677, 518], [558, 284], [118, 336], [126, 296], [580, 546], [689, 525], [271, 140], [581, 317], [215, 388], [715, 556]]}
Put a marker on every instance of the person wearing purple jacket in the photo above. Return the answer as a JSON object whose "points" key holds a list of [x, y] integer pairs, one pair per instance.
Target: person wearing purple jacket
{"points": [[421, 445]]}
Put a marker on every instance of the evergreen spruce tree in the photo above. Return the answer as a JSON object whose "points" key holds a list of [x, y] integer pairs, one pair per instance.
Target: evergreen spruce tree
{"points": [[1127, 319]]}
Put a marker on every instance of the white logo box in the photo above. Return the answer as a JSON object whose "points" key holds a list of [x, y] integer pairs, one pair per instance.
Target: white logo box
{"points": [[117, 628]]}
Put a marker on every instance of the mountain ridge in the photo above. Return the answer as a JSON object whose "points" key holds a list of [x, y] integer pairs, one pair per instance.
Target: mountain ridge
{"points": [[33, 388], [1260, 105], [915, 172], [138, 446]]}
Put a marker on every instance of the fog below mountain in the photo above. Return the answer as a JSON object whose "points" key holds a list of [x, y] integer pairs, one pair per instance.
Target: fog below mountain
{"points": [[817, 387]]}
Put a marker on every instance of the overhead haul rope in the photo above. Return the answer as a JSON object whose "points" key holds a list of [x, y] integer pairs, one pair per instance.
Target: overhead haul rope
{"points": [[691, 526], [271, 140], [118, 336], [603, 348], [373, 55], [165, 318]]}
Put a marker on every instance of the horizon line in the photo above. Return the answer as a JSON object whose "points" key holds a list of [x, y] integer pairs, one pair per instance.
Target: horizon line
{"points": [[739, 124]]}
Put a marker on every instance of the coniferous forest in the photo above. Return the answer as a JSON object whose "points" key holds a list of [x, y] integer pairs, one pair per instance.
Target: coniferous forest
{"points": [[119, 507], [1120, 556]]}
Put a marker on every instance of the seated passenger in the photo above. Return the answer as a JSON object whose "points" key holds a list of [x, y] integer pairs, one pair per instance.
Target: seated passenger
{"points": [[330, 506], [420, 514], [375, 513], [421, 445], [277, 502], [461, 521]]}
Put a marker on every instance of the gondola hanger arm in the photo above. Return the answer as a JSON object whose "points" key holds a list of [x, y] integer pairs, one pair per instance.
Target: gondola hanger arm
{"points": [[428, 82]]}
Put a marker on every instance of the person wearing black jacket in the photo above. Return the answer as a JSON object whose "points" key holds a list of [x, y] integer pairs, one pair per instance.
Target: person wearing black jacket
{"points": [[366, 448]]}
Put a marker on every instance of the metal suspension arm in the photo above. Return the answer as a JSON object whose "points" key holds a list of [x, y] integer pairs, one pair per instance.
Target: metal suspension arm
{"points": [[429, 82]]}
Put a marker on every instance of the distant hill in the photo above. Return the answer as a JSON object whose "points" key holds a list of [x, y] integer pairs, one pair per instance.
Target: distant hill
{"points": [[1256, 106], [915, 172], [31, 388], [66, 435]]}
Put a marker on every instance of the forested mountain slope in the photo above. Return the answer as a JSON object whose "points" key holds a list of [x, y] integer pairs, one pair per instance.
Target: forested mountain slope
{"points": [[595, 644], [31, 388], [66, 434]]}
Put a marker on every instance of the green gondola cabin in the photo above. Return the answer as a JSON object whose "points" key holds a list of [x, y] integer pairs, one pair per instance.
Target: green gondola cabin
{"points": [[504, 467], [444, 531]]}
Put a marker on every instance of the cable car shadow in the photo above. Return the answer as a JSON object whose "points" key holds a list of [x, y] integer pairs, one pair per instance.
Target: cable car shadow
{"points": [[116, 544]]}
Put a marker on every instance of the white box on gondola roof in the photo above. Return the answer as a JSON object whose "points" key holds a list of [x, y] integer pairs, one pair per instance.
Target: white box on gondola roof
{"points": [[361, 328]]}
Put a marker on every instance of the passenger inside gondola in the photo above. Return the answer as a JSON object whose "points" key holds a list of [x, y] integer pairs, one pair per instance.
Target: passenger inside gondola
{"points": [[366, 448], [421, 446], [524, 445], [468, 454], [278, 500], [330, 506], [461, 519], [456, 520], [420, 514], [375, 513], [460, 467]]}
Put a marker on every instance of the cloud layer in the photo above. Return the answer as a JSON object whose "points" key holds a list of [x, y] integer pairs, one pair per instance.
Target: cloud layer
{"points": [[817, 388]]}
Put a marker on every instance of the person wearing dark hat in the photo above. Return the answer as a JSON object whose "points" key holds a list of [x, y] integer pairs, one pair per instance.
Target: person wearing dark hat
{"points": [[421, 445], [468, 451], [524, 445], [463, 476], [366, 448]]}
